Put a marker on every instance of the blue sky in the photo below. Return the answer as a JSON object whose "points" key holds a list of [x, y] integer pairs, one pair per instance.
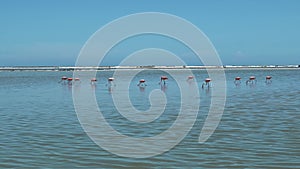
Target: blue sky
{"points": [[244, 32]]}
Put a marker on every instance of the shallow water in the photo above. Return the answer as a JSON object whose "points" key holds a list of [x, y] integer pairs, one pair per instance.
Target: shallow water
{"points": [[260, 127]]}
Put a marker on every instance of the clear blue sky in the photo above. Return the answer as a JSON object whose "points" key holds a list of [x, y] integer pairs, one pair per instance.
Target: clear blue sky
{"points": [[244, 32]]}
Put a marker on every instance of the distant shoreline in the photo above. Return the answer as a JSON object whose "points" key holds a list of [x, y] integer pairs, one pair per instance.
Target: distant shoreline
{"points": [[97, 68]]}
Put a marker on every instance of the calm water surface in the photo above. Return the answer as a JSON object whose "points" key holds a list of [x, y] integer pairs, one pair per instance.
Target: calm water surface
{"points": [[260, 127]]}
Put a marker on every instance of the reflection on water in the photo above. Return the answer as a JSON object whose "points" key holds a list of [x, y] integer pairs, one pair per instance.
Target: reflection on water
{"points": [[260, 126]]}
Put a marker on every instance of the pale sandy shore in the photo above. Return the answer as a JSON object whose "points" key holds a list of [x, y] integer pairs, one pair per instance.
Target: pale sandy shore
{"points": [[93, 68]]}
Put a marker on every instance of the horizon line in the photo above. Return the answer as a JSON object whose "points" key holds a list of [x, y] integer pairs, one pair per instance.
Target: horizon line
{"points": [[93, 68]]}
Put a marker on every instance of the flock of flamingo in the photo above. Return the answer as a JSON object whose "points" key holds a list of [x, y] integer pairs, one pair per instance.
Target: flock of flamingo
{"points": [[163, 81]]}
